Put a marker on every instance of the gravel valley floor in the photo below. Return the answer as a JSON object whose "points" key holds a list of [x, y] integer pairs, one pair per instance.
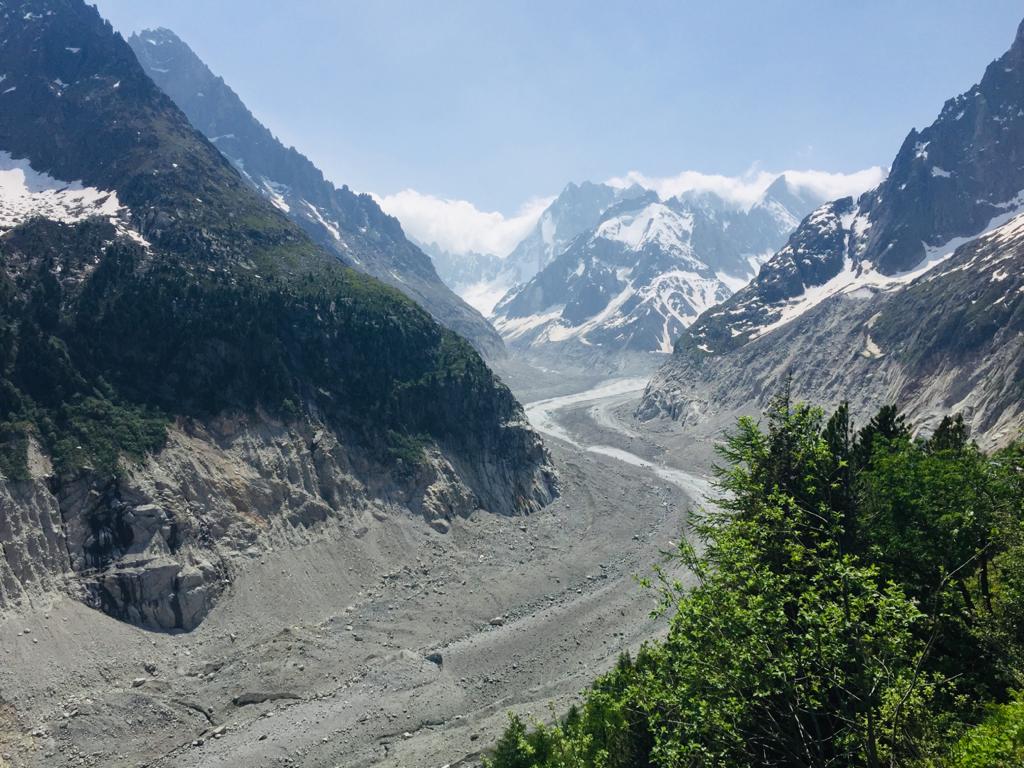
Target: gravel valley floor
{"points": [[396, 646]]}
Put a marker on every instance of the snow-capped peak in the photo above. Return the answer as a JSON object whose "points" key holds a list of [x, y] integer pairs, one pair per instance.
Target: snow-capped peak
{"points": [[656, 223]]}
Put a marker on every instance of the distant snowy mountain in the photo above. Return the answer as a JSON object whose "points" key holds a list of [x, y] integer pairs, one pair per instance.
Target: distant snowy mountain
{"points": [[577, 209], [477, 277], [647, 268], [350, 225], [482, 279]]}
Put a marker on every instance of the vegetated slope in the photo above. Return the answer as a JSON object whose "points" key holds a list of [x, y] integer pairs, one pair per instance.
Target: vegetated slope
{"points": [[866, 300], [648, 269], [184, 375], [857, 602], [350, 225]]}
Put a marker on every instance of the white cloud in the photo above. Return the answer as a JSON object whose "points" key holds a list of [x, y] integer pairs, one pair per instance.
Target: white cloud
{"points": [[461, 227], [746, 189], [832, 186], [458, 225]]}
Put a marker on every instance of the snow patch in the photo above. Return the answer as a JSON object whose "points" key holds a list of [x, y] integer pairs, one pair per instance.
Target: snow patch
{"points": [[26, 194], [656, 223], [514, 327], [871, 349], [484, 296], [275, 193], [328, 225]]}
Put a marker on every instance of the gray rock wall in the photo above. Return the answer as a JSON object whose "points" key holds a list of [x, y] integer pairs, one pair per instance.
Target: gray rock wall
{"points": [[158, 545]]}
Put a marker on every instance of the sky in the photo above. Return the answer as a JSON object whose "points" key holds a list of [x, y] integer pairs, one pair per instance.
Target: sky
{"points": [[436, 106]]}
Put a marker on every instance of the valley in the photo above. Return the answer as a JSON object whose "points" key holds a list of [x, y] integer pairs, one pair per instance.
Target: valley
{"points": [[338, 634], [298, 475]]}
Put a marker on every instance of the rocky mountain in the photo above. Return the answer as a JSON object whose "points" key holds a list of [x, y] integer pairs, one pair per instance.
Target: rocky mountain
{"points": [[578, 208], [186, 378], [484, 279], [648, 268], [350, 225], [908, 294]]}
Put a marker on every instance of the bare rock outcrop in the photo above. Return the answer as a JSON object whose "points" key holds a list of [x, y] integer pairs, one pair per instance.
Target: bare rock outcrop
{"points": [[158, 544]]}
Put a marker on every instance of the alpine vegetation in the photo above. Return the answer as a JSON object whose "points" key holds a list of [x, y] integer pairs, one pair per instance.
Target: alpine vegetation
{"points": [[857, 602]]}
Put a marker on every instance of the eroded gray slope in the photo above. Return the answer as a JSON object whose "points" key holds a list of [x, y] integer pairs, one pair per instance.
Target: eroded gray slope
{"points": [[950, 341]]}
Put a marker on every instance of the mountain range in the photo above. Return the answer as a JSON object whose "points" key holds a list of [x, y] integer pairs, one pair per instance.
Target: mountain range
{"points": [[628, 271], [187, 377], [351, 226], [909, 294], [485, 278]]}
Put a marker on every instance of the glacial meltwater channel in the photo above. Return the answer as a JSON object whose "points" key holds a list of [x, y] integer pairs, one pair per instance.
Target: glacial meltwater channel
{"points": [[544, 416]]}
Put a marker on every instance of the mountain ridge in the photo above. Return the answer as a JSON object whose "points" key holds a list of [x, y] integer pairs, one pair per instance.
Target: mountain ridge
{"points": [[350, 225], [646, 269], [941, 187], [947, 210]]}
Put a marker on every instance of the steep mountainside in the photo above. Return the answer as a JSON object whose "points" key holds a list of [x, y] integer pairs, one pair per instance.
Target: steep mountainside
{"points": [[185, 377], [872, 300], [648, 269], [577, 208], [949, 341], [349, 225], [948, 182]]}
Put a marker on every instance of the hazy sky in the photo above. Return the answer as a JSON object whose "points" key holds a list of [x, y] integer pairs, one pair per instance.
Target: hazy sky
{"points": [[498, 103]]}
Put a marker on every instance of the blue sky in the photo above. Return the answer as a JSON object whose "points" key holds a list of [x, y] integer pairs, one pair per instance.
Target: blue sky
{"points": [[501, 103]]}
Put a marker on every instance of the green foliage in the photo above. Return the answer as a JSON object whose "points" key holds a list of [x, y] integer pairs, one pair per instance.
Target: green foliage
{"points": [[98, 367], [858, 601], [14, 450], [998, 742], [96, 432], [406, 450]]}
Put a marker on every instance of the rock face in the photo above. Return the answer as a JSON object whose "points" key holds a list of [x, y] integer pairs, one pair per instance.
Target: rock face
{"points": [[949, 341], [157, 544], [186, 378], [647, 269], [578, 208], [350, 225], [909, 294], [32, 541]]}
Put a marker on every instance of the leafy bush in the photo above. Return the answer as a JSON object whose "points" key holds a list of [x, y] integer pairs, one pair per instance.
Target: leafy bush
{"points": [[859, 601], [998, 742]]}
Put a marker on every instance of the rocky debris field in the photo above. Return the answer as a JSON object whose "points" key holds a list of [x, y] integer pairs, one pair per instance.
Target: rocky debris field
{"points": [[399, 646]]}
